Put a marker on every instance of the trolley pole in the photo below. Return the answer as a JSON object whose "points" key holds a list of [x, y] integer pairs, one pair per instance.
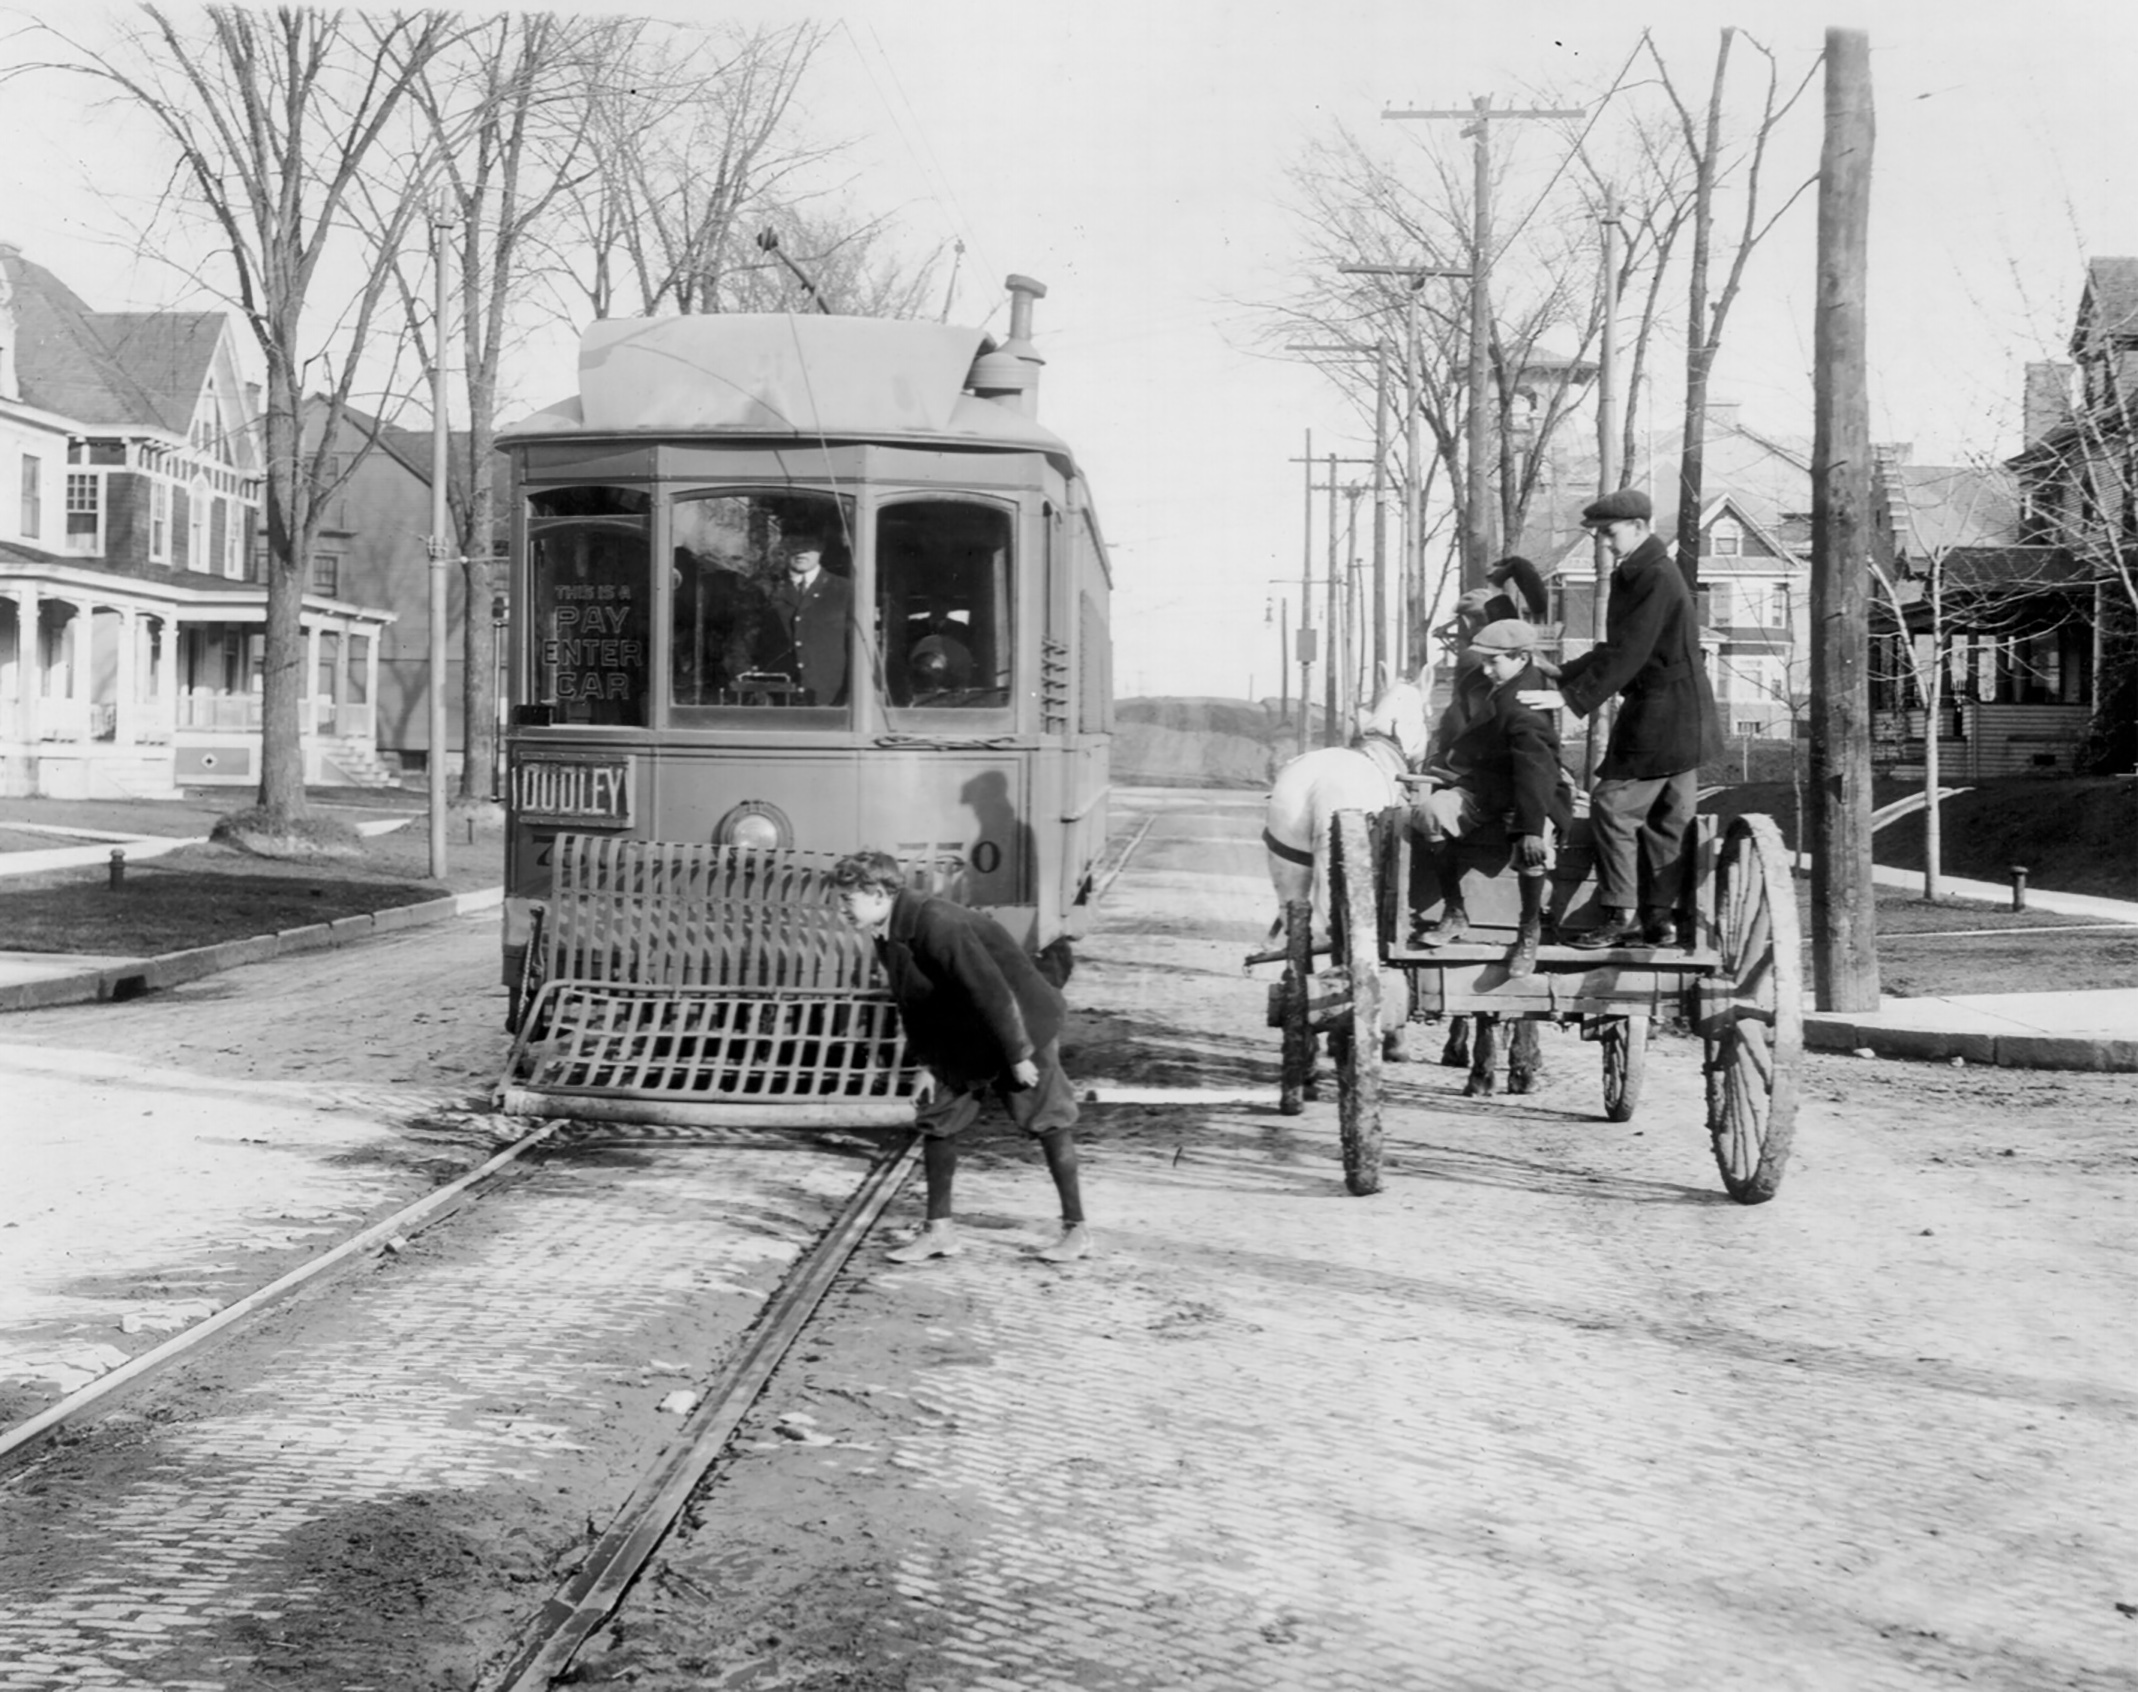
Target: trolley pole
{"points": [[444, 220]]}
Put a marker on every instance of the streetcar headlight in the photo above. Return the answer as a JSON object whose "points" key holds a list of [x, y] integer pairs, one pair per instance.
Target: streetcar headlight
{"points": [[756, 826]]}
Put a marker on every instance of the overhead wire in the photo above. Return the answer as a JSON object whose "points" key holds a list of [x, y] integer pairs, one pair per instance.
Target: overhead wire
{"points": [[913, 137]]}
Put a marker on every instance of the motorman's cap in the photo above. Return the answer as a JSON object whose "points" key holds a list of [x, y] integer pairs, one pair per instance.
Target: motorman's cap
{"points": [[1617, 507], [1509, 634]]}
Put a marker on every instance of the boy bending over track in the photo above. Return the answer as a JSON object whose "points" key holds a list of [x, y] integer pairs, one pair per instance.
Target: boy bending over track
{"points": [[1495, 759], [978, 1013]]}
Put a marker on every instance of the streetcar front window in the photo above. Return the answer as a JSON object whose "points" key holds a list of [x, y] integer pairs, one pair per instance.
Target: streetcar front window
{"points": [[589, 587], [762, 592], [943, 604]]}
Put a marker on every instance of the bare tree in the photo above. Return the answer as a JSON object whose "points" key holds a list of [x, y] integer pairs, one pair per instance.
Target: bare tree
{"points": [[274, 117], [693, 151], [1705, 145], [1355, 208], [511, 113]]}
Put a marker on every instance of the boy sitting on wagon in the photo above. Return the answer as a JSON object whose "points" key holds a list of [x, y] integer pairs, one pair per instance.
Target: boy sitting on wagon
{"points": [[1495, 760]]}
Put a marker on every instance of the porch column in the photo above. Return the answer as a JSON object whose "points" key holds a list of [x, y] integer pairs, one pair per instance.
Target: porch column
{"points": [[29, 671], [311, 678], [128, 680], [167, 674], [78, 689], [341, 672], [371, 679]]}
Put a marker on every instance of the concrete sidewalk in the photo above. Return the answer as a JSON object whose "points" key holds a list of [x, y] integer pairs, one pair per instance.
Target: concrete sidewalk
{"points": [[2081, 1030], [2096, 1029]]}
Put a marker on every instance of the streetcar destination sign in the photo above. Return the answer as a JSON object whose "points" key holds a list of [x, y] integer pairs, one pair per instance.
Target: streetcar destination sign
{"points": [[572, 790]]}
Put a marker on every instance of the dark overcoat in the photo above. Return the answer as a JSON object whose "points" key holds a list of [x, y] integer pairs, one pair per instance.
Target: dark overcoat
{"points": [[1650, 655], [971, 1001], [1505, 752], [812, 629]]}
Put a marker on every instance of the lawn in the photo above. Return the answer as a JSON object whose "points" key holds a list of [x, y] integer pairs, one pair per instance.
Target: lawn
{"points": [[200, 895]]}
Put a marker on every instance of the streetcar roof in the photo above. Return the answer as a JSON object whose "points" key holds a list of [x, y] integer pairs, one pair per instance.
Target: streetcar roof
{"points": [[819, 377]]}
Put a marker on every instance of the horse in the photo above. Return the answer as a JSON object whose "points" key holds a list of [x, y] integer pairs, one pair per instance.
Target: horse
{"points": [[1365, 775]]}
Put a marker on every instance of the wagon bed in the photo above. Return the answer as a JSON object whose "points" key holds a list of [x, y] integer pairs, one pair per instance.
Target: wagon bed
{"points": [[1734, 981]]}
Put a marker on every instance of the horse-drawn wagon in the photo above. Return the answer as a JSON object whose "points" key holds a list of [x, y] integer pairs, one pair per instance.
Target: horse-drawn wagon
{"points": [[1731, 977]]}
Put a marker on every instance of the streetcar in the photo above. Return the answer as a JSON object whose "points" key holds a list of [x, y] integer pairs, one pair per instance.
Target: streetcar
{"points": [[784, 587]]}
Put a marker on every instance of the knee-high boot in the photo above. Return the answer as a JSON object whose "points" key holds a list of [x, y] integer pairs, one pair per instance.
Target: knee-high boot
{"points": [[1522, 955]]}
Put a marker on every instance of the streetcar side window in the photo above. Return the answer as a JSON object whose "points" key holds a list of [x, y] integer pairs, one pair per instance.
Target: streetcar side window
{"points": [[762, 601], [943, 604], [589, 587]]}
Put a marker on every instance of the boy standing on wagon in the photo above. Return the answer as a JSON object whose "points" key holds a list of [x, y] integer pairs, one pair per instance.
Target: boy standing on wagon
{"points": [[1498, 761], [978, 1013]]}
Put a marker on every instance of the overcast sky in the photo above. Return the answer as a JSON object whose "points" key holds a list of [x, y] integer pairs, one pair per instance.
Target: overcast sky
{"points": [[1131, 155]]}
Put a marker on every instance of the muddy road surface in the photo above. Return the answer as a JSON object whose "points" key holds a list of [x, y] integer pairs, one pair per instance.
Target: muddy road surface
{"points": [[1548, 1411]]}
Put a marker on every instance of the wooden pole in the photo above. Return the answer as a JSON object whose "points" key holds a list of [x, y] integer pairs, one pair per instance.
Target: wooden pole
{"points": [[1478, 532], [1380, 512], [1306, 606], [1332, 620], [1844, 948], [1607, 476], [1414, 647]]}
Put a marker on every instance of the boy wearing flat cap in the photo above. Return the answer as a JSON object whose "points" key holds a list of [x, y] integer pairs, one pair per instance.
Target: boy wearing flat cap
{"points": [[1647, 784], [1497, 759]]}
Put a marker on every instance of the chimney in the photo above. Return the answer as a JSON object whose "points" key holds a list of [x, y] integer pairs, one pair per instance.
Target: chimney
{"points": [[1721, 416], [2048, 401], [1010, 373]]}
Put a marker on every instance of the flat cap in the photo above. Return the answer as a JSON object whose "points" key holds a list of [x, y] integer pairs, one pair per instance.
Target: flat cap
{"points": [[1616, 507], [1509, 634], [1476, 600]]}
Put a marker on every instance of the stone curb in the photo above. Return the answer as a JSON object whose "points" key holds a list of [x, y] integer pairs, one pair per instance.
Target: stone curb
{"points": [[130, 980], [1830, 1033]]}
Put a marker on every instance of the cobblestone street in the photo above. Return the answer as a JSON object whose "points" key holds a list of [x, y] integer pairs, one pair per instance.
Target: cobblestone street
{"points": [[1550, 1411]]}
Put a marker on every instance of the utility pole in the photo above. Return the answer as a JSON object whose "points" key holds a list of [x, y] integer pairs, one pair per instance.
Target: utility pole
{"points": [[1336, 662], [1412, 644], [1306, 606], [1335, 621], [1844, 945], [1380, 352], [1380, 511], [1607, 473], [445, 218], [1481, 530]]}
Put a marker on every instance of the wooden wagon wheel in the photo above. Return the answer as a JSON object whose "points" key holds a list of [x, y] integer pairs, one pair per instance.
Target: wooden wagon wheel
{"points": [[1751, 1012], [1625, 1056], [1355, 1043], [1295, 1079]]}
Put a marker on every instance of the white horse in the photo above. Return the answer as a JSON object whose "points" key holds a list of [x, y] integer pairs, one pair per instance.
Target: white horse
{"points": [[1313, 787]]}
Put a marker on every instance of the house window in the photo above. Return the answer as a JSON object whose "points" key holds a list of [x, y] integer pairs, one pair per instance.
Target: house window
{"points": [[1726, 539], [85, 512], [326, 573], [1749, 728], [159, 521], [33, 504]]}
